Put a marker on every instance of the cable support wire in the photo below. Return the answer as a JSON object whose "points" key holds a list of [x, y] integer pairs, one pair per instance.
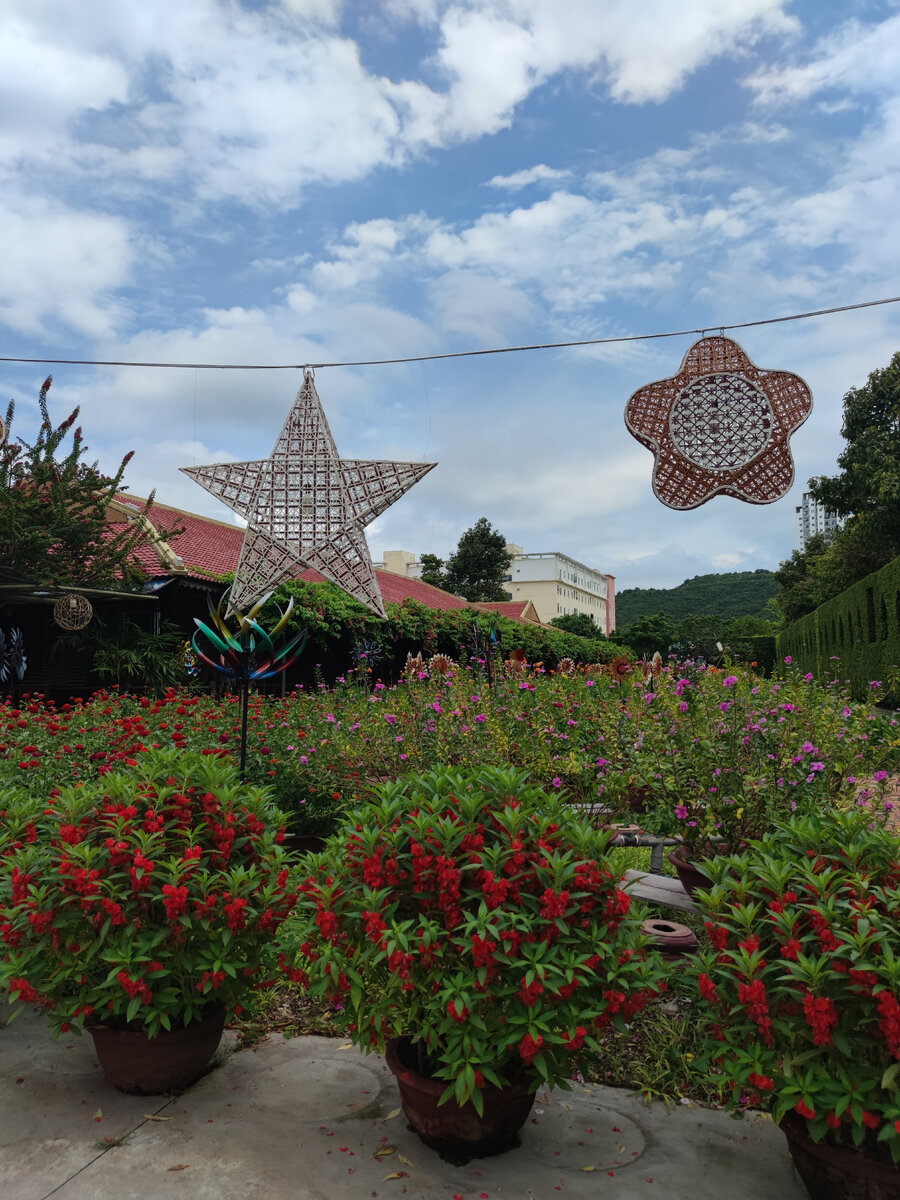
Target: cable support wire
{"points": [[413, 358]]}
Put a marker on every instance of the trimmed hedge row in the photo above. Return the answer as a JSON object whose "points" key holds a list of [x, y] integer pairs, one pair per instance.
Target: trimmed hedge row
{"points": [[860, 628]]}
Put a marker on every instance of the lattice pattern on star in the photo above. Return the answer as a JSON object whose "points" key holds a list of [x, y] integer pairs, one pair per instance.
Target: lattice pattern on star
{"points": [[720, 426], [306, 507]]}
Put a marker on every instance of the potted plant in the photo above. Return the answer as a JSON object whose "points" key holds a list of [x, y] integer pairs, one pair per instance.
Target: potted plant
{"points": [[802, 992], [143, 905], [471, 927]]}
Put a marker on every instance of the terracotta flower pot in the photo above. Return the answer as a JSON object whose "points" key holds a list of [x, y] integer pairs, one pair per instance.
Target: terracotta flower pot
{"points": [[457, 1131], [670, 937], [691, 876], [836, 1172], [145, 1066]]}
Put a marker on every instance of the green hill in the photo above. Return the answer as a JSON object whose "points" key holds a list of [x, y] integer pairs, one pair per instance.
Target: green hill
{"points": [[735, 594]]}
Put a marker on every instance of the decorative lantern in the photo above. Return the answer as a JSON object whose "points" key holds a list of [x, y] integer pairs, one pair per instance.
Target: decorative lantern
{"points": [[73, 611], [721, 425], [307, 507]]}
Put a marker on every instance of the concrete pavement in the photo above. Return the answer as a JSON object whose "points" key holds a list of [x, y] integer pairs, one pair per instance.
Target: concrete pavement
{"points": [[313, 1119]]}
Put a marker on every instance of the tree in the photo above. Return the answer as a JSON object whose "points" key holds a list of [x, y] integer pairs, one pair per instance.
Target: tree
{"points": [[700, 634], [478, 568], [433, 571], [868, 484], [866, 490], [580, 623], [648, 634], [799, 590], [53, 527]]}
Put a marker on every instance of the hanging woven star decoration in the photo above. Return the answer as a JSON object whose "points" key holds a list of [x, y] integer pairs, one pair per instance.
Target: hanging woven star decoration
{"points": [[720, 426], [307, 507]]}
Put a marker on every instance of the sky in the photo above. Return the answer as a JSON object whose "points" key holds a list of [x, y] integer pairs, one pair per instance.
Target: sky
{"points": [[319, 181]]}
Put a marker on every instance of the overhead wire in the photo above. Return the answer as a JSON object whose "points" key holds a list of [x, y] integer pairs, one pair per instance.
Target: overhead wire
{"points": [[420, 358]]}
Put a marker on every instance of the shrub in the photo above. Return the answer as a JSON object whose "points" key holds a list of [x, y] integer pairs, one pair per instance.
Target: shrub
{"points": [[476, 914], [803, 981], [143, 898]]}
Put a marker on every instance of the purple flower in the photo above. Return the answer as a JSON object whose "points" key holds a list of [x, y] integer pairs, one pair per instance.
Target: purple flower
{"points": [[730, 680], [480, 719], [390, 718], [683, 706], [880, 776], [788, 659], [437, 708], [304, 759], [875, 684], [680, 811], [557, 782]]}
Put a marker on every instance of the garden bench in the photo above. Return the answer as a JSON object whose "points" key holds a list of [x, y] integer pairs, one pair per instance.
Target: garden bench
{"points": [[658, 889]]}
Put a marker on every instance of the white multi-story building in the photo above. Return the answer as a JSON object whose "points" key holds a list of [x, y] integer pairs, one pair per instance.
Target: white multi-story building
{"points": [[555, 584], [812, 517]]}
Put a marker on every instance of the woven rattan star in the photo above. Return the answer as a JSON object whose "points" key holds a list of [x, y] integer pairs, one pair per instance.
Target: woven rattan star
{"points": [[721, 425], [307, 507]]}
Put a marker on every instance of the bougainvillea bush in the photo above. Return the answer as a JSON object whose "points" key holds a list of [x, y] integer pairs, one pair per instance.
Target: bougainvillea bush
{"points": [[802, 984], [718, 756], [141, 899], [476, 914]]}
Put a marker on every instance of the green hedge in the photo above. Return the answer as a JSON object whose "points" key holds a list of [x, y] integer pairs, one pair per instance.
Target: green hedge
{"points": [[335, 623], [860, 629]]}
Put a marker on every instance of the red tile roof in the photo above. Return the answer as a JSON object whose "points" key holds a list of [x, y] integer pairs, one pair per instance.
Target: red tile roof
{"points": [[210, 548], [513, 609]]}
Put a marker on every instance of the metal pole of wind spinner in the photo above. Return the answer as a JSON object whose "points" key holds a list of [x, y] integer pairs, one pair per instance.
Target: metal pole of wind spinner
{"points": [[721, 426]]}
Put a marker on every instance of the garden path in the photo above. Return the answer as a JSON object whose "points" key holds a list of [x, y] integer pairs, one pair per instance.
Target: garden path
{"points": [[313, 1119]]}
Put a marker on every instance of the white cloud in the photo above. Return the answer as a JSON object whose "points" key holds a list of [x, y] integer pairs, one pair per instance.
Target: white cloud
{"points": [[328, 11], [44, 85], [257, 104], [478, 307], [856, 57], [519, 179], [60, 265], [724, 561]]}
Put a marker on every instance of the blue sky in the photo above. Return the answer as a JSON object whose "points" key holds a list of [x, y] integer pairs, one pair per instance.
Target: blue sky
{"points": [[313, 181]]}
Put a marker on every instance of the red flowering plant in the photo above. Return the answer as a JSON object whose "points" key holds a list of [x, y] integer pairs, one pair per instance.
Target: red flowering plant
{"points": [[477, 915], [802, 983], [144, 899]]}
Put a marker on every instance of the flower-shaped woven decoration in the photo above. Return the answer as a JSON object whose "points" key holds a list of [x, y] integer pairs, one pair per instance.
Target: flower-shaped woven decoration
{"points": [[721, 425]]}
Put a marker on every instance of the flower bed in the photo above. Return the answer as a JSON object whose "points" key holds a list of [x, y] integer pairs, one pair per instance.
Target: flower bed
{"points": [[710, 753]]}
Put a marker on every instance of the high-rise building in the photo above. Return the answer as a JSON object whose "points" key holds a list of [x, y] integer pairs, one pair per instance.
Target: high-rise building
{"points": [[812, 517]]}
